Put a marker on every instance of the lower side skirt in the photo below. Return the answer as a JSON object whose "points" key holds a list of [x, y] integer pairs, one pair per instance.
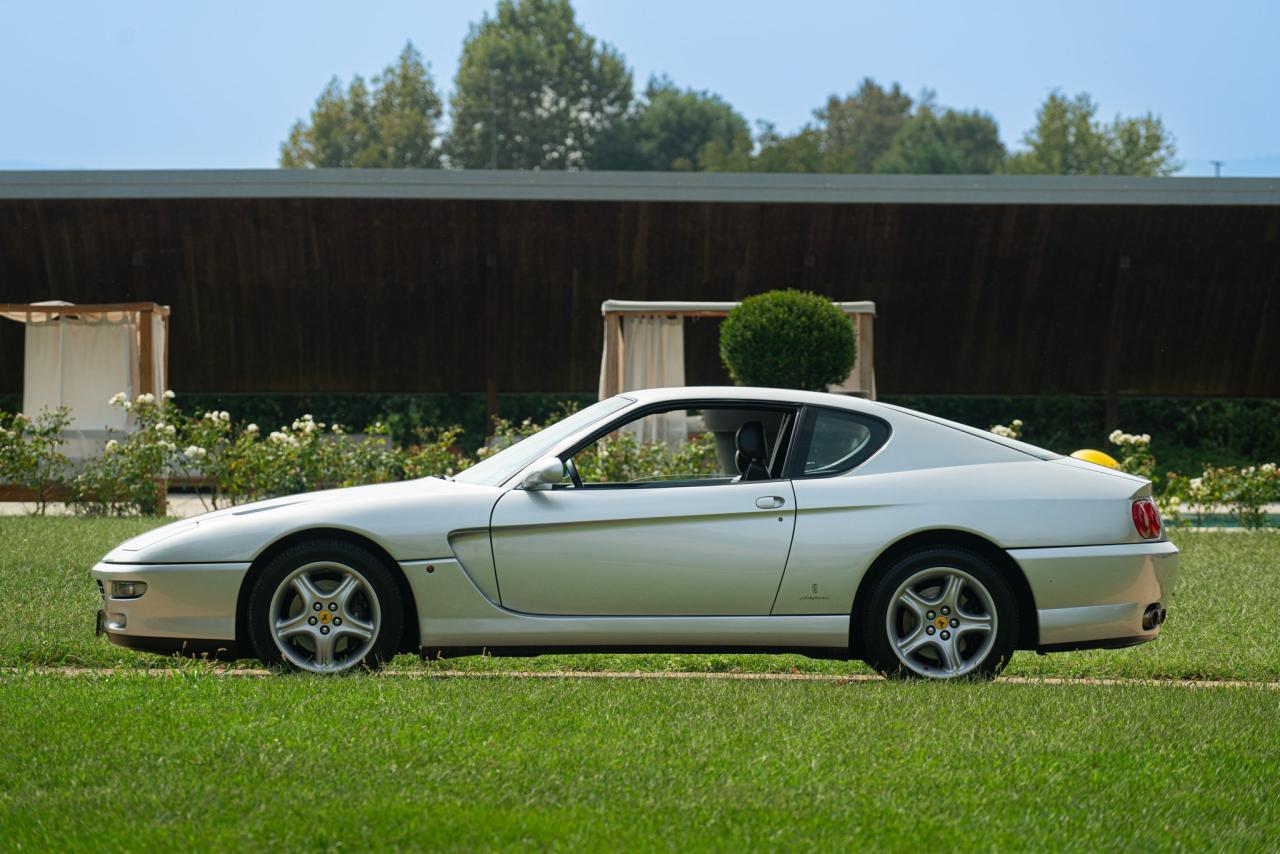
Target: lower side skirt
{"points": [[829, 653]]}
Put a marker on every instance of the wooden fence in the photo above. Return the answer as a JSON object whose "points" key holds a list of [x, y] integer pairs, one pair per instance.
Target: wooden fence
{"points": [[441, 295]]}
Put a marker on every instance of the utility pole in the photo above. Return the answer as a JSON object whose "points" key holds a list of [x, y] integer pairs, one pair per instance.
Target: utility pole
{"points": [[1217, 167]]}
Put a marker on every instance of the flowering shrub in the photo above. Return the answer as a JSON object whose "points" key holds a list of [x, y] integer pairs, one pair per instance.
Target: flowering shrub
{"points": [[1013, 431], [232, 465], [29, 455], [619, 457], [124, 479], [1135, 453], [435, 453], [1245, 490], [239, 466]]}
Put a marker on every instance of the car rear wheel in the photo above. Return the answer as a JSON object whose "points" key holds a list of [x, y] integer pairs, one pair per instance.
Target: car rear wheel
{"points": [[325, 607], [940, 613]]}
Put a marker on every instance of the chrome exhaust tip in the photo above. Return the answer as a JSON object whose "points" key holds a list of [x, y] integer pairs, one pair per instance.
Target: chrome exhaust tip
{"points": [[1151, 617]]}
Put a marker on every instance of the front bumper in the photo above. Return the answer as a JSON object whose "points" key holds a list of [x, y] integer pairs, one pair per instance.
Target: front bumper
{"points": [[1095, 596], [186, 607]]}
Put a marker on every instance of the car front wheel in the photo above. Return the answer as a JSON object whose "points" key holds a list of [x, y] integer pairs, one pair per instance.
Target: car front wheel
{"points": [[940, 613], [325, 607]]}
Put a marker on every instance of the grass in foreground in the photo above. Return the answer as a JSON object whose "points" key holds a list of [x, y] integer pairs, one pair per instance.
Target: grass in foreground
{"points": [[205, 762], [1217, 629]]}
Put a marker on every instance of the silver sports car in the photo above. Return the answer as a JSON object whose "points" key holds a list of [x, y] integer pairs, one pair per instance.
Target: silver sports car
{"points": [[831, 526]]}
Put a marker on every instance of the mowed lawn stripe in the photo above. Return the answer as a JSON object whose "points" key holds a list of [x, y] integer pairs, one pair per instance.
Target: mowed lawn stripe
{"points": [[129, 762]]}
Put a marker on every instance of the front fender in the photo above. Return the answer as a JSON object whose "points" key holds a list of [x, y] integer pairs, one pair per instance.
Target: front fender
{"points": [[411, 520]]}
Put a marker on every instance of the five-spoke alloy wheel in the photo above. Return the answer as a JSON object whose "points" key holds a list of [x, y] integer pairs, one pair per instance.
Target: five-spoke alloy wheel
{"points": [[940, 613], [325, 607]]}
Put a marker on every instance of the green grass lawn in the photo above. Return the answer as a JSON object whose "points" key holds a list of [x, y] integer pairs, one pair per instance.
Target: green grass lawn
{"points": [[1220, 620], [132, 762], [195, 760]]}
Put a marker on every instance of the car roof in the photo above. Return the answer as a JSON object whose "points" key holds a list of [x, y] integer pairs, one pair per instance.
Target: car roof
{"points": [[750, 393]]}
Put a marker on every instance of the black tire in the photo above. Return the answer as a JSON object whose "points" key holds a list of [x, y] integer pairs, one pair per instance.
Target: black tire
{"points": [[981, 658], [378, 599]]}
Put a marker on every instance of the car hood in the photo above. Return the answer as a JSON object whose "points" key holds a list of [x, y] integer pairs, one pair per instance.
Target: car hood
{"points": [[411, 520]]}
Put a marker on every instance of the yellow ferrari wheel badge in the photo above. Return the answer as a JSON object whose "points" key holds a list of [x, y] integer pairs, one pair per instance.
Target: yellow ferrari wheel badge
{"points": [[940, 623], [324, 617]]}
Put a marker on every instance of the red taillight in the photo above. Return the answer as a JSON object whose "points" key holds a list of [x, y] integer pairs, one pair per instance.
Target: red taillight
{"points": [[1146, 519]]}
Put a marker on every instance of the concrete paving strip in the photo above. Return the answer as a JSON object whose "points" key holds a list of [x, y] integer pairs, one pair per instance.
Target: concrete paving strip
{"points": [[633, 674]]}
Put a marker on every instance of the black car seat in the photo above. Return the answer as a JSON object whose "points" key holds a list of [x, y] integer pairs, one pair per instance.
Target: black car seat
{"points": [[752, 457]]}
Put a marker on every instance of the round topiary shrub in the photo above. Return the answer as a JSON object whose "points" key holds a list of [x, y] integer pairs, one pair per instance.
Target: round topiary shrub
{"points": [[788, 339]]}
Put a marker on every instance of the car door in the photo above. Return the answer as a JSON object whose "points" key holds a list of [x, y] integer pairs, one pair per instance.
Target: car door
{"points": [[716, 549]]}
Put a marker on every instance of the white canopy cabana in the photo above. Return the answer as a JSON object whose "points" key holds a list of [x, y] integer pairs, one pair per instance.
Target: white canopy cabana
{"points": [[78, 356], [644, 344]]}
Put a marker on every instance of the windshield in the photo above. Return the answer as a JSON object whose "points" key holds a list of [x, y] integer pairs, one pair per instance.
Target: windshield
{"points": [[503, 465]]}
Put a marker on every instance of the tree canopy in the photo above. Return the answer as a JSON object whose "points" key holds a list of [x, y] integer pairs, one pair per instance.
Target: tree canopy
{"points": [[393, 125], [947, 142], [671, 129], [1068, 139], [534, 91], [874, 130]]}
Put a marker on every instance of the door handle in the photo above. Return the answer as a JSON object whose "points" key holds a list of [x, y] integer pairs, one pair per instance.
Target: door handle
{"points": [[770, 502]]}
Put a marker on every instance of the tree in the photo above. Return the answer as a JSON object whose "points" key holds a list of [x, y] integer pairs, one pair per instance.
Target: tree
{"points": [[770, 152], [858, 130], [849, 134], [873, 130], [1068, 139], [533, 90], [671, 130], [395, 125], [956, 143]]}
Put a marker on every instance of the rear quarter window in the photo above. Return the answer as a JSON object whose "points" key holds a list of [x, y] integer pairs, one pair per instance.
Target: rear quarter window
{"points": [[832, 441]]}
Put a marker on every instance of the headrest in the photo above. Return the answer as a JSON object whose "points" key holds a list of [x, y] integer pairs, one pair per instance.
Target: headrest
{"points": [[750, 441]]}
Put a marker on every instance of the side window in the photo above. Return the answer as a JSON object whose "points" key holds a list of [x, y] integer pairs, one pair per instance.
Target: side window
{"points": [[692, 446], [832, 441], [660, 448]]}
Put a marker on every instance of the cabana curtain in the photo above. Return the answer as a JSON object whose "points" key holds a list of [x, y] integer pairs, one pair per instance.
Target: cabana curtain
{"points": [[655, 359], [79, 356]]}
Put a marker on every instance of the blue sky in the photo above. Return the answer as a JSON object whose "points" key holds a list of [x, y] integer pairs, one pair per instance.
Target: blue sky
{"points": [[202, 85]]}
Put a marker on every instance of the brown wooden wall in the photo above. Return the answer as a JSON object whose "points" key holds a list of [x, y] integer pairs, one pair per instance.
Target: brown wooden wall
{"points": [[421, 295]]}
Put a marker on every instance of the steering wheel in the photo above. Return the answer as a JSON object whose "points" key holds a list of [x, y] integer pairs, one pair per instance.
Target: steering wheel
{"points": [[572, 468]]}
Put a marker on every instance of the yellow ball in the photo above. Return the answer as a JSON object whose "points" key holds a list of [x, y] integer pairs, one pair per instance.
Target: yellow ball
{"points": [[1097, 458]]}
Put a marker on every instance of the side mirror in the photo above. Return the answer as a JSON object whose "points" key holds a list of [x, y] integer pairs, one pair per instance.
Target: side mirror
{"points": [[543, 473]]}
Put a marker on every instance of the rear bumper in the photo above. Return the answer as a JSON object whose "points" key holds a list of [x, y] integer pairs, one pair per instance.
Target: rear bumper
{"points": [[1095, 596]]}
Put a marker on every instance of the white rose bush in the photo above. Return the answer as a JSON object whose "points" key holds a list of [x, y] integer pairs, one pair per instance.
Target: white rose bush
{"points": [[207, 453], [30, 455], [1012, 431]]}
